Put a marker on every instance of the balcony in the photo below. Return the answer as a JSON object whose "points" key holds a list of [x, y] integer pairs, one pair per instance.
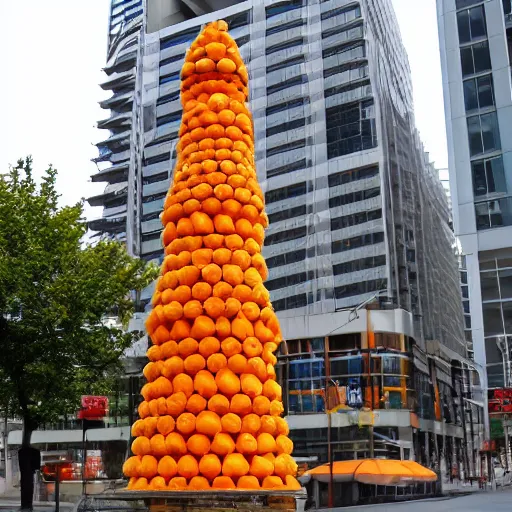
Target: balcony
{"points": [[112, 174]]}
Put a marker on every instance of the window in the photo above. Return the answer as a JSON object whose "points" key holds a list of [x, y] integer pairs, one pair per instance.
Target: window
{"points": [[460, 4], [286, 259], [285, 169], [285, 26], [355, 219], [169, 118], [291, 43], [290, 146], [478, 93], [286, 236], [240, 41], [353, 51], [493, 322], [280, 194], [289, 125], [281, 7], [285, 281], [359, 264], [281, 86], [350, 128], [285, 106], [287, 63], [170, 60], [168, 98], [297, 301], [358, 90], [507, 7], [238, 20], [488, 176], [305, 383], [471, 24], [341, 178], [187, 36], [289, 214], [360, 288], [172, 77], [354, 197], [357, 241], [493, 214], [155, 178], [156, 159], [483, 133], [505, 277], [344, 14], [475, 59]]}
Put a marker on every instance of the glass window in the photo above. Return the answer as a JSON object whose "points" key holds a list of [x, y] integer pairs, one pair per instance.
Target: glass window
{"points": [[488, 176], [460, 4], [489, 285], [475, 59], [493, 323], [507, 7], [495, 213], [483, 133], [471, 24], [507, 317], [505, 277], [478, 93], [495, 377]]}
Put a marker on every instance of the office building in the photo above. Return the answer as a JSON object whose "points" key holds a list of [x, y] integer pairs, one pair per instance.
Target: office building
{"points": [[476, 52]]}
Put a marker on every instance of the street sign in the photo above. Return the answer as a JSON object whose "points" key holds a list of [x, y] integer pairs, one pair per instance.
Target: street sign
{"points": [[93, 407]]}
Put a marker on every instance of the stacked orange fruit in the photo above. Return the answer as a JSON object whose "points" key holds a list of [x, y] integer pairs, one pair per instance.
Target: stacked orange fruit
{"points": [[211, 415]]}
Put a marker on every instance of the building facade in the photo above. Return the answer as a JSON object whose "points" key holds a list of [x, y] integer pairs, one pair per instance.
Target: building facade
{"points": [[476, 53], [362, 268]]}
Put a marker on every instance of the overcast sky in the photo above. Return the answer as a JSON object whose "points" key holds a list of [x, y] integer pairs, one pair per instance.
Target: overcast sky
{"points": [[55, 50]]}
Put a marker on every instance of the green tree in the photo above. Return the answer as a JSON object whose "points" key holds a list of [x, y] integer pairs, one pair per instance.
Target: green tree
{"points": [[55, 293]]}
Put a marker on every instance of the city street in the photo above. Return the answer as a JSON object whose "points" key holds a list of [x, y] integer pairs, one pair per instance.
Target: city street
{"points": [[498, 501]]}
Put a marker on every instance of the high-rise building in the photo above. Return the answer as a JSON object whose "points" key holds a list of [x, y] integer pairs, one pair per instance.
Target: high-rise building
{"points": [[361, 255], [476, 54]]}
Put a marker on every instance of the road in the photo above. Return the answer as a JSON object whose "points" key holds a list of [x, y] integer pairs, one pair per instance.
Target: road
{"points": [[499, 501]]}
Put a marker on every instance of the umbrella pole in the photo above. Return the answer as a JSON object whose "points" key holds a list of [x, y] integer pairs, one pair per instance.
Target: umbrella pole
{"points": [[329, 448], [372, 449]]}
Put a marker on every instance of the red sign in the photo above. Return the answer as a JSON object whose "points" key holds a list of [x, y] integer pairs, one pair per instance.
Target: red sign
{"points": [[488, 446], [500, 402], [93, 407]]}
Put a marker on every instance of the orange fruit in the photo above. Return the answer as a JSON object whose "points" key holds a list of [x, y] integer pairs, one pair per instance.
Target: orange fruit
{"points": [[246, 443], [231, 423], [235, 465], [198, 444], [210, 466], [208, 423], [196, 403], [175, 444], [240, 404], [186, 423], [219, 404], [188, 466]]}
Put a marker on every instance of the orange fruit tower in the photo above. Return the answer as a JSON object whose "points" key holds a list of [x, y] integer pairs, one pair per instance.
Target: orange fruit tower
{"points": [[210, 418]]}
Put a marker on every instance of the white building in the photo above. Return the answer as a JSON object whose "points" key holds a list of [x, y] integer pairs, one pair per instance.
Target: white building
{"points": [[476, 52]]}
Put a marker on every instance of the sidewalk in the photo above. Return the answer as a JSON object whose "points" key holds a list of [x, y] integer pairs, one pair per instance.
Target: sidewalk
{"points": [[8, 505], [458, 489]]}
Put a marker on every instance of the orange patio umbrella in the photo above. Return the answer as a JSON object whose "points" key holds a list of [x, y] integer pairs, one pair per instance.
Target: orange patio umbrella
{"points": [[374, 471]]}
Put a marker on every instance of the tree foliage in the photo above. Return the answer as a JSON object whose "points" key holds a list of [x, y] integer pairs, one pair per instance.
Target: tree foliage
{"points": [[55, 294]]}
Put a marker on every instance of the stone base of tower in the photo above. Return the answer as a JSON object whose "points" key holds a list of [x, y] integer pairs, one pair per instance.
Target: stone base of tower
{"points": [[196, 501]]}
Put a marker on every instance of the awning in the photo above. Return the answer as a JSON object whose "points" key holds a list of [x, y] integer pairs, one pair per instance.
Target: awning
{"points": [[71, 436], [374, 471]]}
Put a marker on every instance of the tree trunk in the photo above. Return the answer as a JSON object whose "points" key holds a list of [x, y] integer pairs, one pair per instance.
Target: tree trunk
{"points": [[26, 462]]}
